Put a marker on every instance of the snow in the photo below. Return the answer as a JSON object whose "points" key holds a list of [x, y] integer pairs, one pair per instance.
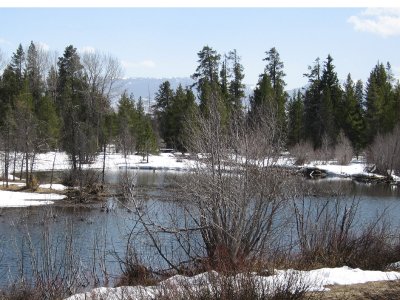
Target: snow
{"points": [[163, 161], [54, 186], [178, 162], [314, 280], [23, 199]]}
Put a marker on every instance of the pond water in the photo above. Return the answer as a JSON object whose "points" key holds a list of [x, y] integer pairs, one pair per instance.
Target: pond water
{"points": [[38, 238]]}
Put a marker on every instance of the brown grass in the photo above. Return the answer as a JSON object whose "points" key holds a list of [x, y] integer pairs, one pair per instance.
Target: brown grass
{"points": [[383, 290]]}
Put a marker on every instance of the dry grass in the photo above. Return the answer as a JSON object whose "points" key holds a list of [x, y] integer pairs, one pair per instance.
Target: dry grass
{"points": [[383, 290]]}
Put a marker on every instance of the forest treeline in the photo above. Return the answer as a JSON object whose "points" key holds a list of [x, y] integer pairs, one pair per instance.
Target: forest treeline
{"points": [[65, 104]]}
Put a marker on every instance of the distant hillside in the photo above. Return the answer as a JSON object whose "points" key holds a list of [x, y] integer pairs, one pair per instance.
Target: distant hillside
{"points": [[148, 87]]}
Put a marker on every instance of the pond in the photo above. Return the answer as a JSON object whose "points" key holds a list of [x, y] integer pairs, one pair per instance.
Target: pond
{"points": [[39, 238]]}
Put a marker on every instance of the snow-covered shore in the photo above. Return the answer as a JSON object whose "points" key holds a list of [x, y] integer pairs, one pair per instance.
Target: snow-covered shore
{"points": [[314, 280], [24, 199], [59, 161]]}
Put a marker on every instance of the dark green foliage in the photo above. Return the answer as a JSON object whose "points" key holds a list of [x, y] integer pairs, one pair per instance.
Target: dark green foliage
{"points": [[172, 111], [125, 120], [207, 80], [274, 69], [262, 98], [353, 122], [69, 108], [236, 86], [295, 119], [17, 65], [380, 115], [146, 141], [323, 103]]}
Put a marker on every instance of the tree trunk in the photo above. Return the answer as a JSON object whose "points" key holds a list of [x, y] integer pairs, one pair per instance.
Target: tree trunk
{"points": [[104, 163]]}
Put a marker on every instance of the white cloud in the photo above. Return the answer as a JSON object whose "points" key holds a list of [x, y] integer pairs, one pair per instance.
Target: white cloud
{"points": [[87, 49], [3, 41], [143, 64], [43, 46], [381, 21]]}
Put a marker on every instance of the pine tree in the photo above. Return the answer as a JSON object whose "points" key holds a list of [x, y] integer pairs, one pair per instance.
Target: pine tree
{"points": [[77, 131], [296, 119], [146, 141], [331, 102], [353, 123], [323, 103], [380, 115], [18, 65], [126, 122], [33, 73], [207, 81], [274, 69], [262, 99], [236, 86], [164, 98]]}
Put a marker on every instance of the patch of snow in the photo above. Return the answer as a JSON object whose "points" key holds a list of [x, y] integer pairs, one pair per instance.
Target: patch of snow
{"points": [[3, 183], [54, 186], [23, 199], [314, 280]]}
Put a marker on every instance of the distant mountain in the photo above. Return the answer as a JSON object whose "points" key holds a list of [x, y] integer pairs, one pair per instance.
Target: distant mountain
{"points": [[148, 87]]}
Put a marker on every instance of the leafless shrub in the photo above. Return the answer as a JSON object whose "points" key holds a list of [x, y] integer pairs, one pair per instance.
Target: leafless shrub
{"points": [[229, 209], [303, 152], [384, 152], [55, 270], [324, 153], [244, 286], [343, 150], [328, 236]]}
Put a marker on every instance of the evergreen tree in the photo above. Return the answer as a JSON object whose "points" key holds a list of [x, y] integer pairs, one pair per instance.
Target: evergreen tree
{"points": [[296, 119], [164, 98], [33, 74], [353, 123], [207, 81], [146, 141], [274, 69], [331, 107], [126, 122], [77, 132], [380, 115], [236, 86], [18, 65], [323, 103], [262, 99]]}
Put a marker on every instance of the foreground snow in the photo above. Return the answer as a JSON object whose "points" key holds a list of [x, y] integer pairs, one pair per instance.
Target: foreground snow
{"points": [[314, 280], [23, 199]]}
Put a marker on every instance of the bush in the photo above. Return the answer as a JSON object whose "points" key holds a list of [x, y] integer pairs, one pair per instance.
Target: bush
{"points": [[327, 237], [384, 152], [291, 285], [303, 152], [343, 150]]}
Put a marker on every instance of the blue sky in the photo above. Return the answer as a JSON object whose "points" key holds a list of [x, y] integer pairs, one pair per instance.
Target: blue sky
{"points": [[163, 42]]}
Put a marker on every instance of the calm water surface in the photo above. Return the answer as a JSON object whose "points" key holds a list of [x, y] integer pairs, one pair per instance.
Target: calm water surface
{"points": [[102, 236]]}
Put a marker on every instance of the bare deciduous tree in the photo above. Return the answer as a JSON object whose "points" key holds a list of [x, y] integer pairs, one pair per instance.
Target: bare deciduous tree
{"points": [[231, 205], [343, 150], [101, 73], [384, 152]]}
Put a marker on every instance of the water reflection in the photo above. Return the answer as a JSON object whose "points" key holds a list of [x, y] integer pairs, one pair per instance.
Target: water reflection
{"points": [[100, 232]]}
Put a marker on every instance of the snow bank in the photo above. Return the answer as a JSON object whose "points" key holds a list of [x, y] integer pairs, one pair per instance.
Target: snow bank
{"points": [[166, 161], [54, 186], [314, 280], [22, 199]]}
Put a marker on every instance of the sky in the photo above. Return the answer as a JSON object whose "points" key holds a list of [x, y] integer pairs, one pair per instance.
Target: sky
{"points": [[164, 42]]}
